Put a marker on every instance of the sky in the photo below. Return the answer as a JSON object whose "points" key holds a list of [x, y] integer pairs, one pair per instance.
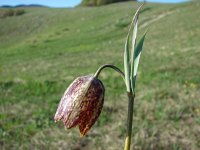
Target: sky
{"points": [[64, 3]]}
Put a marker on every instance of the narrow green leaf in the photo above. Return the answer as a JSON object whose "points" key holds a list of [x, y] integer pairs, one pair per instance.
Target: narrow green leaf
{"points": [[134, 18], [137, 54], [127, 65], [134, 25], [132, 49], [128, 60]]}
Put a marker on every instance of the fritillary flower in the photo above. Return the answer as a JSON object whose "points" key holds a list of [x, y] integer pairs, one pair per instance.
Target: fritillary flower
{"points": [[81, 103]]}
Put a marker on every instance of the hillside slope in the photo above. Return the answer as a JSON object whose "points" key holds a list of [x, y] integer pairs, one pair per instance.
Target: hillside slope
{"points": [[43, 50]]}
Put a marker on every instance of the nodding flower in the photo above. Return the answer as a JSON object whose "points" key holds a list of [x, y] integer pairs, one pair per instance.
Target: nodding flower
{"points": [[81, 103]]}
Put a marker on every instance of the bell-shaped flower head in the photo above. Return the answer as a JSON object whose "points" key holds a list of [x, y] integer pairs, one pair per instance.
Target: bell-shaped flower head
{"points": [[81, 103]]}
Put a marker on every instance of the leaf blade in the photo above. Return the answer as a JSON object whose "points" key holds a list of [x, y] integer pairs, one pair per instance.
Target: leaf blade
{"points": [[137, 53], [129, 60], [127, 65], [134, 23]]}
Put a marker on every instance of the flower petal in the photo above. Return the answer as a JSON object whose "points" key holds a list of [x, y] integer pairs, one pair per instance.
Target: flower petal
{"points": [[91, 106], [68, 109]]}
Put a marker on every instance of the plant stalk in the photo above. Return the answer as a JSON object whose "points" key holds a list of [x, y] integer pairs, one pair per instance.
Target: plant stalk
{"points": [[131, 97], [109, 66]]}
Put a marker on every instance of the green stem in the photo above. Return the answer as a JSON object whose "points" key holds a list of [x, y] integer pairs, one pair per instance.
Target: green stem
{"points": [[131, 97], [108, 66]]}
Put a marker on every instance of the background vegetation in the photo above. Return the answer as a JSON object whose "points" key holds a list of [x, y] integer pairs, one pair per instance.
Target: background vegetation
{"points": [[45, 49], [100, 2], [11, 12]]}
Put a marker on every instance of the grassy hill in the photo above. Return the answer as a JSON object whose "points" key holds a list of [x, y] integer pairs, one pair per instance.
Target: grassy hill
{"points": [[45, 49]]}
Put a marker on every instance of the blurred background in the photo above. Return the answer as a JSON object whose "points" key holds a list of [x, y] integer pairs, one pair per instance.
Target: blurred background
{"points": [[45, 45]]}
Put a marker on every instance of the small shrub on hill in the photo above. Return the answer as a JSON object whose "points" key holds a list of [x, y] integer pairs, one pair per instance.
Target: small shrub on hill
{"points": [[11, 12], [100, 2], [19, 12]]}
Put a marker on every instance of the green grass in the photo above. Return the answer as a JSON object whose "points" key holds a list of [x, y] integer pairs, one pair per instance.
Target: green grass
{"points": [[45, 49]]}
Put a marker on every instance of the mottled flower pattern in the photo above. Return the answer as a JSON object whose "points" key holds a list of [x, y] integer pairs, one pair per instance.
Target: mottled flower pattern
{"points": [[81, 103]]}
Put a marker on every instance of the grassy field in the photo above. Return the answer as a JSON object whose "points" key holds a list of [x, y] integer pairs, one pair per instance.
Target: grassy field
{"points": [[45, 49]]}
